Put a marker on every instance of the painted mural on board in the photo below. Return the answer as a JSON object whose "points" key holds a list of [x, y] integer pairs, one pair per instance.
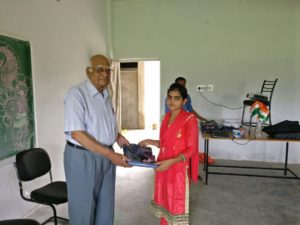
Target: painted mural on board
{"points": [[16, 97]]}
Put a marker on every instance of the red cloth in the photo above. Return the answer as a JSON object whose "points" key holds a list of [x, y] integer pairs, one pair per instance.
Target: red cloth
{"points": [[202, 158], [181, 137]]}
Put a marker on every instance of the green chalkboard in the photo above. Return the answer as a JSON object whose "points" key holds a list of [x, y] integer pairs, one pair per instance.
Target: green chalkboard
{"points": [[16, 97]]}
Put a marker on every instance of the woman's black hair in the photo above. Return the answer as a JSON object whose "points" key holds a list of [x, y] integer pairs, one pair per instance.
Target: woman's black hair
{"points": [[178, 87]]}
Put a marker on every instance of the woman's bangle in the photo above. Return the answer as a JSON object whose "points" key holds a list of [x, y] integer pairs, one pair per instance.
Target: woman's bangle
{"points": [[182, 157]]}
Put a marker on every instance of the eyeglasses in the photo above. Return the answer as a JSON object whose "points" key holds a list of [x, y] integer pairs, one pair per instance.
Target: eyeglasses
{"points": [[100, 69]]}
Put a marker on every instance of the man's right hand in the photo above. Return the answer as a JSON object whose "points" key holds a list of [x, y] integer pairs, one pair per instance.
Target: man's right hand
{"points": [[119, 159]]}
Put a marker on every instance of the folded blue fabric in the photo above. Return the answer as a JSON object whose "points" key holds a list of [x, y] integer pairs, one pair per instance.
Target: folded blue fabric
{"points": [[137, 153]]}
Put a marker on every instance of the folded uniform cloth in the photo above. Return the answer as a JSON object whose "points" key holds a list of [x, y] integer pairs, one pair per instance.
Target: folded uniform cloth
{"points": [[135, 152]]}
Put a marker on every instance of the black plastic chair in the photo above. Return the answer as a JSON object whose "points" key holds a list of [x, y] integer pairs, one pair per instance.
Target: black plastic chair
{"points": [[19, 222], [34, 163], [267, 89]]}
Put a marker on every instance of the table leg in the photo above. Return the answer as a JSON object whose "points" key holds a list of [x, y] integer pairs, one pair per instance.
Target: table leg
{"points": [[204, 166], [286, 158], [206, 160]]}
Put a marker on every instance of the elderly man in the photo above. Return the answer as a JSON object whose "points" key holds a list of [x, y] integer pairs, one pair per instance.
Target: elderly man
{"points": [[89, 159]]}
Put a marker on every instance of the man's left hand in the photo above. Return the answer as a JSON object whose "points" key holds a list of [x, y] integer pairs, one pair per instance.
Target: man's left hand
{"points": [[122, 140]]}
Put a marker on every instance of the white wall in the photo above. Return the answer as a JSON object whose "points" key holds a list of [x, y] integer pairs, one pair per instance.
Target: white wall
{"points": [[232, 44], [63, 35], [152, 93]]}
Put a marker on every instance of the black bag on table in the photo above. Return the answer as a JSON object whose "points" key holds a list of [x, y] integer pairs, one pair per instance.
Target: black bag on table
{"points": [[286, 130]]}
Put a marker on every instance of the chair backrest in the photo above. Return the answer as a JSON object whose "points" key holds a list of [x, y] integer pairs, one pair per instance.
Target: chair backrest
{"points": [[268, 88], [19, 222], [32, 163]]}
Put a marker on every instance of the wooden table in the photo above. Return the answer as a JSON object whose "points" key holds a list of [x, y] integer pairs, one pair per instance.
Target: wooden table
{"points": [[249, 137]]}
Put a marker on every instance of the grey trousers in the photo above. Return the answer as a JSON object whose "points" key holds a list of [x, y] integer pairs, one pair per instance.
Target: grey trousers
{"points": [[91, 187]]}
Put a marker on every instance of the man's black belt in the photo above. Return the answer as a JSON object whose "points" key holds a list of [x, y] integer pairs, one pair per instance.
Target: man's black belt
{"points": [[76, 146], [80, 147]]}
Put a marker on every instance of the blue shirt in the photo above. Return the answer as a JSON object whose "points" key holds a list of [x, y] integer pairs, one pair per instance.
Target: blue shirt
{"points": [[86, 109], [187, 107]]}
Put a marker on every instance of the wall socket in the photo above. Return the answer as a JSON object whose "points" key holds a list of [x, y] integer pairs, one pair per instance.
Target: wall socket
{"points": [[205, 87]]}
